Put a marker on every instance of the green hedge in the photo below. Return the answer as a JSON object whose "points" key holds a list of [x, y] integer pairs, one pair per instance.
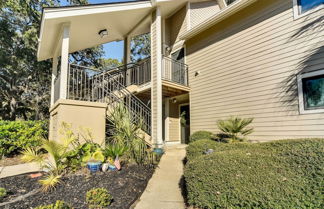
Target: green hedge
{"points": [[18, 135], [281, 174], [199, 135]]}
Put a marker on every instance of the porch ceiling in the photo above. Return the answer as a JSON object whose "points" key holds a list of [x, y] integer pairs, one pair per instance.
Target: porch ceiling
{"points": [[86, 21]]}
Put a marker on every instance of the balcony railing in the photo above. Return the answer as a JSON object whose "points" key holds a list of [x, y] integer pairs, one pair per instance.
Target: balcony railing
{"points": [[174, 71]]}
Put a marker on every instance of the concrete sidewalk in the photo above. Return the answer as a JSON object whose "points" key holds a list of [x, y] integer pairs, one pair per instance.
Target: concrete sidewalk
{"points": [[18, 169], [163, 190]]}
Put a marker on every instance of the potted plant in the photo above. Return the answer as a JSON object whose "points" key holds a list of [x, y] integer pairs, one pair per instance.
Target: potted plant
{"points": [[94, 160]]}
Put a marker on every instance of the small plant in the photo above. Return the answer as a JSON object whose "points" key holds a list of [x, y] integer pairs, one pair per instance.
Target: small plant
{"points": [[96, 156], [198, 135], [98, 198], [3, 193], [115, 150], [235, 129], [57, 153], [57, 205]]}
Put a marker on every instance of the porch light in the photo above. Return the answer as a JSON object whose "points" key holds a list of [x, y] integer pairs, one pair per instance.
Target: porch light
{"points": [[103, 33]]}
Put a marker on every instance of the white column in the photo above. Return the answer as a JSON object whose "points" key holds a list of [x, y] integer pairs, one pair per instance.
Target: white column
{"points": [[64, 61], [159, 135], [54, 74]]}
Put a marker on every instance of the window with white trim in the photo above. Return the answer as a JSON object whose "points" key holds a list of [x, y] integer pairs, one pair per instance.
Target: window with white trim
{"points": [[304, 6], [311, 92]]}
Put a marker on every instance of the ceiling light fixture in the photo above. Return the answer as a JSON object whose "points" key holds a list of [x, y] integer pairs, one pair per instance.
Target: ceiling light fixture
{"points": [[103, 33]]}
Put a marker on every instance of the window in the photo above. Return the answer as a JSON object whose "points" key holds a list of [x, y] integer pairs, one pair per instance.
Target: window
{"points": [[228, 2], [311, 92], [303, 6]]}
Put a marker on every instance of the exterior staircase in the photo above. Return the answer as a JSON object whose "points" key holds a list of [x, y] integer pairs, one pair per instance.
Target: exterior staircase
{"points": [[112, 87]]}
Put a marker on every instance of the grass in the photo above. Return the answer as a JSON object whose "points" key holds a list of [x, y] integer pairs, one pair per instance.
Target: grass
{"points": [[280, 174]]}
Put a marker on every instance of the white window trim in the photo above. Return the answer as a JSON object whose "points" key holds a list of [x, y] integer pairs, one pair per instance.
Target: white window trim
{"points": [[300, 91], [297, 11]]}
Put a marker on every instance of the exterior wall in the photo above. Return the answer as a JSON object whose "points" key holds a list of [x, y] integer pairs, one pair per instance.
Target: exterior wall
{"points": [[200, 11], [79, 114], [248, 65], [177, 24]]}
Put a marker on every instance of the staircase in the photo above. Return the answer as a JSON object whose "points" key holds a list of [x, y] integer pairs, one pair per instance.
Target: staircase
{"points": [[111, 87]]}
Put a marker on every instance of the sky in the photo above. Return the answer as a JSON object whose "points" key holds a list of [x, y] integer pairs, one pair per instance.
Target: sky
{"points": [[113, 49]]}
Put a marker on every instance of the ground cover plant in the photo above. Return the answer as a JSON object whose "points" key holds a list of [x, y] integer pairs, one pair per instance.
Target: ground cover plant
{"points": [[98, 198], [198, 135], [280, 174]]}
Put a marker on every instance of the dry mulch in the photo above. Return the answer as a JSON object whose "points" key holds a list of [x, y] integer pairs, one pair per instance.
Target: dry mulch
{"points": [[125, 186]]}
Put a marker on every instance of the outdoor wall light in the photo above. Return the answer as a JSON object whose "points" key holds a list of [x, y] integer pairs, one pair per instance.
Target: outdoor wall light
{"points": [[197, 73], [174, 100], [103, 33]]}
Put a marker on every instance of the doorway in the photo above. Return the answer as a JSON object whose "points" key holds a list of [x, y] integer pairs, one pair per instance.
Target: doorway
{"points": [[184, 123]]}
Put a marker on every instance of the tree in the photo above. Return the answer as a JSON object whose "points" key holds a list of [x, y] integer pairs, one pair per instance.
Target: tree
{"points": [[141, 47], [109, 63], [25, 82]]}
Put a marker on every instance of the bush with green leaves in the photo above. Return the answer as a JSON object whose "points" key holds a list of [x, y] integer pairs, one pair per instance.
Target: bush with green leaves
{"points": [[279, 174], [59, 204], [234, 129], [98, 198], [3, 193], [19, 135], [198, 135]]}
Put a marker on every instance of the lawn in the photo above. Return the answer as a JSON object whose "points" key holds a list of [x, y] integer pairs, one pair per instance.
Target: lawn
{"points": [[280, 174]]}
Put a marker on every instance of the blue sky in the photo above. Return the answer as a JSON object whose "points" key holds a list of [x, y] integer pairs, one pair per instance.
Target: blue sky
{"points": [[114, 49]]}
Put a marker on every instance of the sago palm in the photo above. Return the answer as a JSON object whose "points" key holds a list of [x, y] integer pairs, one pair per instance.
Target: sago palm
{"points": [[235, 128]]}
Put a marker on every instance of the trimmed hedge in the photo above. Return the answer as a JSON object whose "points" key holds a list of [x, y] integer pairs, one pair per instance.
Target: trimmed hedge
{"points": [[18, 135], [198, 135], [280, 174]]}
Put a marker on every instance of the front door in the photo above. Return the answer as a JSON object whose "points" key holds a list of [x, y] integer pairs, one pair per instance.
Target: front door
{"points": [[185, 123]]}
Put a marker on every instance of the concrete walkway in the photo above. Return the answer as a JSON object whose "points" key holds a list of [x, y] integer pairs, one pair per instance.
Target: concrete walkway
{"points": [[18, 169], [163, 190]]}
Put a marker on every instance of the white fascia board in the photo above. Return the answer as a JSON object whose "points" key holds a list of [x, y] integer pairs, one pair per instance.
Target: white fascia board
{"points": [[51, 13], [228, 11]]}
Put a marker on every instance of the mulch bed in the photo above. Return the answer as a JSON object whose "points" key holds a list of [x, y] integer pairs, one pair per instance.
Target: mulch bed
{"points": [[125, 186]]}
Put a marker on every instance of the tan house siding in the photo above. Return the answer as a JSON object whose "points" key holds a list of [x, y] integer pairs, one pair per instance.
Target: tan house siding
{"points": [[248, 65], [174, 120], [200, 11], [178, 25]]}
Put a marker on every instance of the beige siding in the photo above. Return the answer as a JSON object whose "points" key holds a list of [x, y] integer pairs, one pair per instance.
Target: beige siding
{"points": [[177, 24], [200, 11], [174, 120], [248, 65]]}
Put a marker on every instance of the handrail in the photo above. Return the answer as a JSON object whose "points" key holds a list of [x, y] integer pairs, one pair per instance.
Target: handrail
{"points": [[175, 71]]}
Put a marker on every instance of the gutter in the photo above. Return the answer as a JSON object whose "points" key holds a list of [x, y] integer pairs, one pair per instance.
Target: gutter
{"points": [[223, 14]]}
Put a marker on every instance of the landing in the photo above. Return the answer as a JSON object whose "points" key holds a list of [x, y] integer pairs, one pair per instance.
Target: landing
{"points": [[163, 190]]}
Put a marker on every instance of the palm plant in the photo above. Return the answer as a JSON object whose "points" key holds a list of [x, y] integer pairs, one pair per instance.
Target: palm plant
{"points": [[235, 128], [55, 162]]}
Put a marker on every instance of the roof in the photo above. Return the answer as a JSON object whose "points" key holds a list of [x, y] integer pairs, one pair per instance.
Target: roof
{"points": [[85, 23]]}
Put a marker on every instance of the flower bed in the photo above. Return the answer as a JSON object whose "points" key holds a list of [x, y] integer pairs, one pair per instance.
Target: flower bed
{"points": [[125, 186]]}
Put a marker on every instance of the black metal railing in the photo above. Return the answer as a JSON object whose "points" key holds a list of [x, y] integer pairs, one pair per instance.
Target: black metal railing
{"points": [[109, 87], [174, 71]]}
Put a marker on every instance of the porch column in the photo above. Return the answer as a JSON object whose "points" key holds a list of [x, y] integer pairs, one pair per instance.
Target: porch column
{"points": [[54, 75], [127, 43], [64, 61], [156, 80]]}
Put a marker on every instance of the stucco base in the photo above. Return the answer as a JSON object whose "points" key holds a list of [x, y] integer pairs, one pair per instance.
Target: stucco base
{"points": [[81, 115]]}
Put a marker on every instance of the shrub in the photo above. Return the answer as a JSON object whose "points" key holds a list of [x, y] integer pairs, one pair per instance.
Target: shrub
{"points": [[18, 135], [198, 135], [3, 193], [98, 198], [57, 205], [235, 129], [281, 174]]}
